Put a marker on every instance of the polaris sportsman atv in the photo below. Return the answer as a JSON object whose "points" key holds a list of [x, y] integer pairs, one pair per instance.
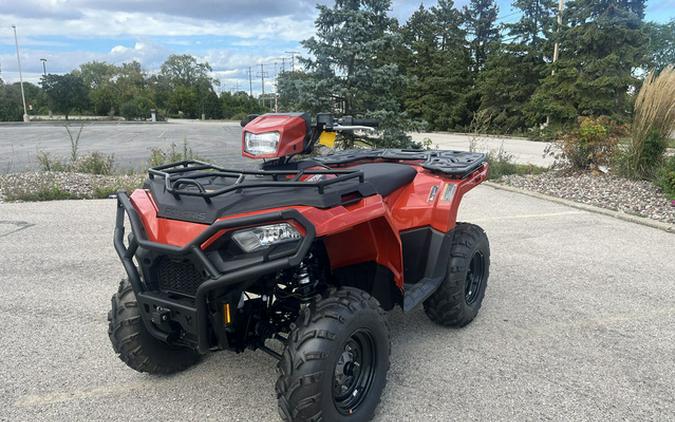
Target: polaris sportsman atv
{"points": [[298, 259]]}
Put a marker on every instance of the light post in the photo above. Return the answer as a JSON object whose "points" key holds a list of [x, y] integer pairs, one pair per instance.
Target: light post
{"points": [[44, 74], [18, 60]]}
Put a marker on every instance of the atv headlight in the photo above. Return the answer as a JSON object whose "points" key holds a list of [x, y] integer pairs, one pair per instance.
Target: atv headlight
{"points": [[256, 238], [261, 143]]}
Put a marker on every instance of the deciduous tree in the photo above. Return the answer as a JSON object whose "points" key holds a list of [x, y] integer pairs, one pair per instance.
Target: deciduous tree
{"points": [[65, 93]]}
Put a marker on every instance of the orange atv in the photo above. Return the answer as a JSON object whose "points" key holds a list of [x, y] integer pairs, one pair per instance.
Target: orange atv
{"points": [[299, 259]]}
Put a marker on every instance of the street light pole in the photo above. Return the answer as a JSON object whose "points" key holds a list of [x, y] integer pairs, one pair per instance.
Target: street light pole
{"points": [[44, 74], [556, 46], [18, 60]]}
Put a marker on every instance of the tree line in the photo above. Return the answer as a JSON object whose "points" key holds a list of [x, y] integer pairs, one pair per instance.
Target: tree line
{"points": [[444, 67], [183, 87]]}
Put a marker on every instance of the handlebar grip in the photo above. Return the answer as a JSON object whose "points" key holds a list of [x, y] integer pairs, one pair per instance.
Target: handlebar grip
{"points": [[366, 122]]}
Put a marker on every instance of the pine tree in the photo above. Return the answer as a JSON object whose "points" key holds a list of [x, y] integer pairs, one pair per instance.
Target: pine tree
{"points": [[600, 47], [661, 48], [512, 74], [437, 59], [353, 65], [535, 26], [480, 21]]}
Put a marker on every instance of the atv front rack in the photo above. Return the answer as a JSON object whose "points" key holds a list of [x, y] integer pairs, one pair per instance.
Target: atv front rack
{"points": [[456, 164], [198, 311], [178, 177]]}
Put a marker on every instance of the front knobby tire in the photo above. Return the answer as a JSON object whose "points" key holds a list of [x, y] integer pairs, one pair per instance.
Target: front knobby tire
{"points": [[458, 299], [335, 364], [135, 346]]}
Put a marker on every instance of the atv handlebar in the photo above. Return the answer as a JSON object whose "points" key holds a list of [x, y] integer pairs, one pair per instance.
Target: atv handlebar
{"points": [[349, 121], [338, 128]]}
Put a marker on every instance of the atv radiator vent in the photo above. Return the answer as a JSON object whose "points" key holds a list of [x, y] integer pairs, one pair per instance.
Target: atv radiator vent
{"points": [[178, 276]]}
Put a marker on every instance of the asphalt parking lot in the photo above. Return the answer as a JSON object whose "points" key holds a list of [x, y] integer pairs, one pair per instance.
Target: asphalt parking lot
{"points": [[578, 324], [218, 141], [130, 144]]}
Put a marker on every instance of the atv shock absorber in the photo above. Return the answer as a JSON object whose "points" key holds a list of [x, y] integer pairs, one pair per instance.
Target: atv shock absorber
{"points": [[304, 277]]}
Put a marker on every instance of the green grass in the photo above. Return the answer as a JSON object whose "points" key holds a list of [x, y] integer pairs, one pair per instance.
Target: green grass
{"points": [[53, 193], [502, 164], [103, 192], [626, 141], [499, 169]]}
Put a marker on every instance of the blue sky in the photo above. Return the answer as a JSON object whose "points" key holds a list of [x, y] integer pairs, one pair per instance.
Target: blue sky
{"points": [[231, 35]]}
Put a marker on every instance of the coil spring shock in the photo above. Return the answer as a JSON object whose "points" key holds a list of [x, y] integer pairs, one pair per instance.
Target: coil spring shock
{"points": [[305, 277]]}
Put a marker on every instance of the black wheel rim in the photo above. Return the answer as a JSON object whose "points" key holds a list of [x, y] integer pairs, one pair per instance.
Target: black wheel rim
{"points": [[474, 278], [354, 372]]}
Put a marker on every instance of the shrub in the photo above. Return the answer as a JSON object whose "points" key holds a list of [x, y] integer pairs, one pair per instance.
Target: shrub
{"points": [[144, 105], [665, 177], [653, 122], [159, 156], [130, 110], [591, 145], [94, 163], [47, 163], [502, 164]]}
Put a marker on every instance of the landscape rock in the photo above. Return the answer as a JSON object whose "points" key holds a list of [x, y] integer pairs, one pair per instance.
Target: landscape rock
{"points": [[64, 185], [637, 197]]}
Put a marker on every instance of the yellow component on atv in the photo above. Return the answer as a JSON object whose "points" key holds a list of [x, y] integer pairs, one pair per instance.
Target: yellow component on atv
{"points": [[327, 139]]}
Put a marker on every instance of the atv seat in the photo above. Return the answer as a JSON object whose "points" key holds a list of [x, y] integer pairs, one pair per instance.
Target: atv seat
{"points": [[386, 177]]}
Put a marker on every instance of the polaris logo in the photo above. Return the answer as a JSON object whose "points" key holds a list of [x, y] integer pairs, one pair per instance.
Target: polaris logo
{"points": [[184, 214]]}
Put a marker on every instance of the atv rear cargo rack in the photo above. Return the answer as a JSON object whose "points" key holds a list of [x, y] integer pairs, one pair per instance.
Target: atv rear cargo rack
{"points": [[456, 164], [188, 173]]}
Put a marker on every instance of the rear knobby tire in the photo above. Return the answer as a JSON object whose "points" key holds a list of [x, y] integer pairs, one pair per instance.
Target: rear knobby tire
{"points": [[458, 299], [335, 364], [135, 346]]}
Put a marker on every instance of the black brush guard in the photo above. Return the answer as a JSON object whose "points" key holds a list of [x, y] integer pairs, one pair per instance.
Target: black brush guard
{"points": [[217, 279]]}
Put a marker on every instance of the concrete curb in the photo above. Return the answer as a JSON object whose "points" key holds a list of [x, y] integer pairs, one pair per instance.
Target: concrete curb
{"points": [[479, 135], [590, 208]]}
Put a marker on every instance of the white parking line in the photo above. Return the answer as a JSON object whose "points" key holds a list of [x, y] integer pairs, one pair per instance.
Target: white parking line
{"points": [[526, 216], [37, 400]]}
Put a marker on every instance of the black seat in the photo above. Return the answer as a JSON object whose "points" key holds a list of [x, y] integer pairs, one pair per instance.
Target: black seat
{"points": [[387, 177]]}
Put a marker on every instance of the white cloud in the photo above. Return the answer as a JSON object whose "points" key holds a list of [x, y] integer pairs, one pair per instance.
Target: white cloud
{"points": [[99, 23]]}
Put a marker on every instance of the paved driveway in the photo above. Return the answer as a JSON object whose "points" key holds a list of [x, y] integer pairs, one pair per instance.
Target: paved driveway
{"points": [[578, 324], [130, 143], [217, 141], [521, 150]]}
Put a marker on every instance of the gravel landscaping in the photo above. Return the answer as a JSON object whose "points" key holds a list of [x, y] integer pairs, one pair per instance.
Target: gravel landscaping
{"points": [[41, 186], [641, 198]]}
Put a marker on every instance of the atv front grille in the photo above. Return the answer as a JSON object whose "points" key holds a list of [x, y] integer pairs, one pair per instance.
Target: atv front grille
{"points": [[178, 276]]}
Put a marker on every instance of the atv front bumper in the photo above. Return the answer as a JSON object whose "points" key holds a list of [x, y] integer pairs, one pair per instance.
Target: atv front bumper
{"points": [[193, 315]]}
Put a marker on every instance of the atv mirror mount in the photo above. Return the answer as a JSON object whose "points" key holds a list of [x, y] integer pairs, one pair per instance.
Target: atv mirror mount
{"points": [[325, 121]]}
